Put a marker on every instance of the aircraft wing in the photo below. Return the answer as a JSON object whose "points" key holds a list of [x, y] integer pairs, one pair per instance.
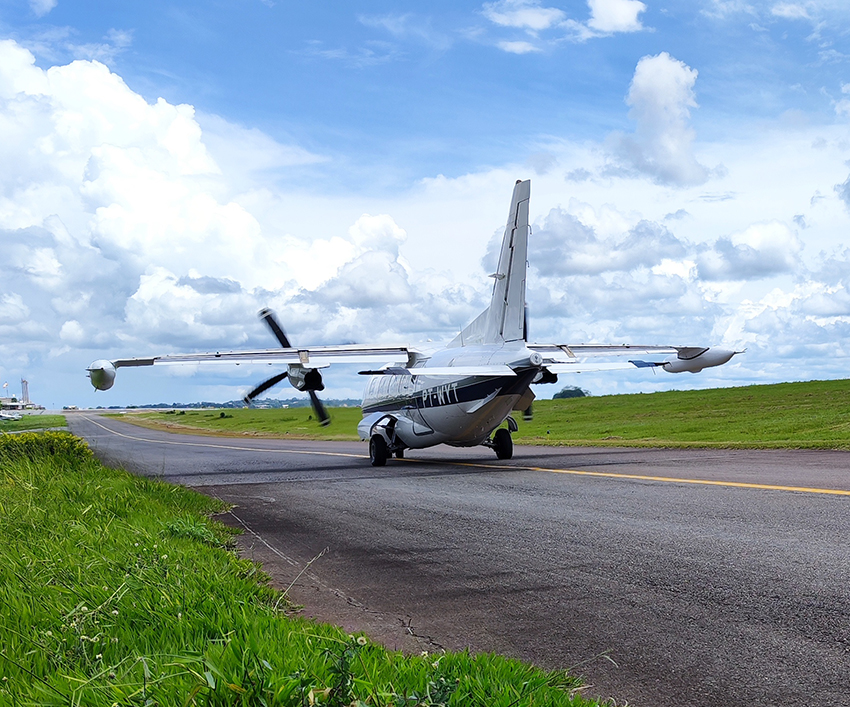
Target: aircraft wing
{"points": [[565, 353], [102, 372], [444, 371], [576, 358], [309, 356]]}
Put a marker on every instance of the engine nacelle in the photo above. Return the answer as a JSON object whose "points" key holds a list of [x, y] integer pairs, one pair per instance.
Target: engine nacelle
{"points": [[304, 378], [102, 374], [695, 363]]}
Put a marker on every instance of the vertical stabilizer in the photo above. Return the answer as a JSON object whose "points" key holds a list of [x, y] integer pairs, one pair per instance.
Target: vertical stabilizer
{"points": [[504, 319], [507, 307]]}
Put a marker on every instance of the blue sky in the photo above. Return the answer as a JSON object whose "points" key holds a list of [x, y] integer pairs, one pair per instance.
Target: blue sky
{"points": [[349, 164]]}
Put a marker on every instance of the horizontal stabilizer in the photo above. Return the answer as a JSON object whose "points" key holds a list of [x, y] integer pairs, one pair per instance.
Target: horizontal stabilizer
{"points": [[647, 364]]}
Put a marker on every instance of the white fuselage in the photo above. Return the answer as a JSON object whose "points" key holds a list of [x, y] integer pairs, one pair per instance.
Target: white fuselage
{"points": [[459, 411]]}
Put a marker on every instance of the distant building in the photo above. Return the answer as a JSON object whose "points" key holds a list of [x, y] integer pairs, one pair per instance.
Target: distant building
{"points": [[22, 403]]}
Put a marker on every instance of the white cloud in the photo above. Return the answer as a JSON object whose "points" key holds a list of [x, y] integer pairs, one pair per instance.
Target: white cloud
{"points": [[661, 97], [377, 233], [41, 7], [724, 8], [790, 11], [12, 309], [566, 246], [523, 14], [519, 47], [762, 250], [408, 26], [609, 16], [72, 333]]}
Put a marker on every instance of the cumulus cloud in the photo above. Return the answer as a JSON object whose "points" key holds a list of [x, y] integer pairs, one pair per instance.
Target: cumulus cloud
{"points": [[566, 246], [105, 193], [762, 250], [609, 16], [12, 309], [661, 97], [126, 233]]}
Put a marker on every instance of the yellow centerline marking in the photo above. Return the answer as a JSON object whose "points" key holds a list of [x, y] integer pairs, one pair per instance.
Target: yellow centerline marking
{"points": [[665, 479], [481, 465]]}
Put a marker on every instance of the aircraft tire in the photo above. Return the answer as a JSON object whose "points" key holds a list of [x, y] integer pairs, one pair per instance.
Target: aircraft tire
{"points": [[399, 454], [378, 452], [503, 444]]}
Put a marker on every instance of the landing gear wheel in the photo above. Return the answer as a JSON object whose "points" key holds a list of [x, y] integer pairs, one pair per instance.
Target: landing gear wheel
{"points": [[399, 454], [503, 445], [378, 451]]}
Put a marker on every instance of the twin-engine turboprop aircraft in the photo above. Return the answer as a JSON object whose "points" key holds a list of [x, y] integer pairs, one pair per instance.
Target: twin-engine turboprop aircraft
{"points": [[461, 394]]}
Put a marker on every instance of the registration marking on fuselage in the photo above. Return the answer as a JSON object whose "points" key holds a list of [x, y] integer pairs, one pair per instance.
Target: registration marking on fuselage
{"points": [[500, 467]]}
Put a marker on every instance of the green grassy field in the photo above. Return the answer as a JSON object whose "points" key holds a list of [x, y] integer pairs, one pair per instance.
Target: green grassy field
{"points": [[814, 415], [295, 423], [32, 422], [119, 590]]}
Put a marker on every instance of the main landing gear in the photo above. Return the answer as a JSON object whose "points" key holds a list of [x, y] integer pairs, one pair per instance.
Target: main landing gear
{"points": [[502, 444], [379, 451]]}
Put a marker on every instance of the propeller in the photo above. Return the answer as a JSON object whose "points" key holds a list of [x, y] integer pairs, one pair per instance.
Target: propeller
{"points": [[263, 387], [318, 408]]}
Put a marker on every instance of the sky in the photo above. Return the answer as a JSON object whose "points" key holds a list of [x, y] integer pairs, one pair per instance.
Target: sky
{"points": [[169, 169]]}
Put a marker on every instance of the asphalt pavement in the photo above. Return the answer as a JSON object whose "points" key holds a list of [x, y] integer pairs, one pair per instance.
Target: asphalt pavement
{"points": [[664, 577]]}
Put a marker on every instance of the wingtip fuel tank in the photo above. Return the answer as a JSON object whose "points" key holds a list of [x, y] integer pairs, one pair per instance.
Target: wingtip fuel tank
{"points": [[102, 374], [707, 358]]}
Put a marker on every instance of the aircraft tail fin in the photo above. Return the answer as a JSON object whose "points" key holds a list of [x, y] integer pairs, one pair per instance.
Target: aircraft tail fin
{"points": [[504, 319], [507, 306]]}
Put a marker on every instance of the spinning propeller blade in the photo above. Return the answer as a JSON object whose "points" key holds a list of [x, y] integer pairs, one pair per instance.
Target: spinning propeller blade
{"points": [[271, 321], [263, 387], [319, 409], [269, 318]]}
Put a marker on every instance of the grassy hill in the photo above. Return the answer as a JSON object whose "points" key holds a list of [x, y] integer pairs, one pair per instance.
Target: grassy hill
{"points": [[814, 414]]}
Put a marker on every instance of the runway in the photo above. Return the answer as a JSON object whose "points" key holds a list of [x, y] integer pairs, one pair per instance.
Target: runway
{"points": [[666, 577]]}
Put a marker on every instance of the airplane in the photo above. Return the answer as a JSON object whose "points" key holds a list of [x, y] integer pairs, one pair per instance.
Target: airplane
{"points": [[10, 416], [461, 394]]}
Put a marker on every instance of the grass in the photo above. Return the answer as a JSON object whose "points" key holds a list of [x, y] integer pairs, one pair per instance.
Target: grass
{"points": [[292, 423], [814, 414], [32, 422], [120, 590]]}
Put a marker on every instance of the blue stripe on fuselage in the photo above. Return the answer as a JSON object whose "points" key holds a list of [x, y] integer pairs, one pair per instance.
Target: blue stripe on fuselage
{"points": [[464, 391]]}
